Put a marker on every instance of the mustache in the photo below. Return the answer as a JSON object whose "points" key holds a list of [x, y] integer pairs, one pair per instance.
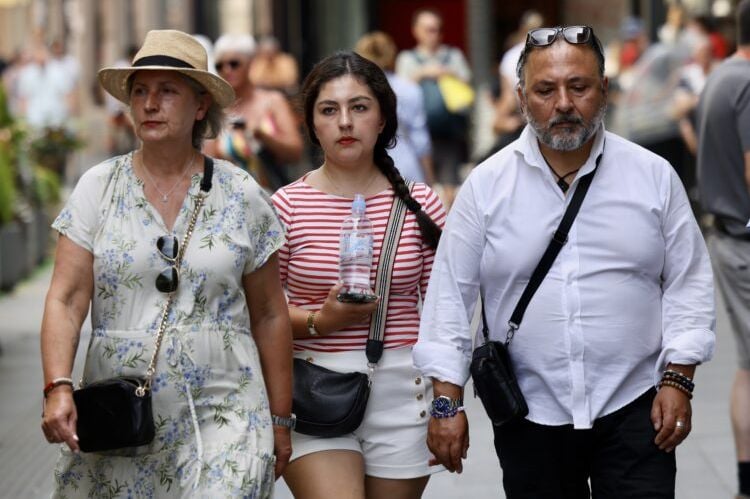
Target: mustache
{"points": [[561, 119]]}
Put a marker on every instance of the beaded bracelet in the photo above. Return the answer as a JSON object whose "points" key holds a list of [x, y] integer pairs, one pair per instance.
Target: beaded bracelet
{"points": [[674, 384], [55, 383], [679, 378]]}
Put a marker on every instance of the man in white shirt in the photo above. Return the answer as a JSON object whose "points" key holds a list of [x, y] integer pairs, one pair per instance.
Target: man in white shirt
{"points": [[629, 297]]}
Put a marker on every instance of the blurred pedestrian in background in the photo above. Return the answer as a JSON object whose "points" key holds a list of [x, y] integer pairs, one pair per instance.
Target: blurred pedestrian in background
{"points": [[412, 153], [121, 138], [11, 80], [587, 366], [208, 46], [273, 69], [223, 373], [509, 121], [46, 88], [623, 53], [724, 183], [350, 112], [426, 64], [262, 135]]}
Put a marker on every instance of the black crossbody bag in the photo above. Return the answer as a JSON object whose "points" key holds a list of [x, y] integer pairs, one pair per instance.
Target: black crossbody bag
{"points": [[327, 403], [491, 368]]}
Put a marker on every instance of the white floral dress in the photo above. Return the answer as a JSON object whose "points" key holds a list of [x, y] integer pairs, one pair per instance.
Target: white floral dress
{"points": [[213, 430]]}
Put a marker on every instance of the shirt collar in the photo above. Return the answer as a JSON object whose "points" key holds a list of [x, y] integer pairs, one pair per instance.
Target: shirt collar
{"points": [[527, 146]]}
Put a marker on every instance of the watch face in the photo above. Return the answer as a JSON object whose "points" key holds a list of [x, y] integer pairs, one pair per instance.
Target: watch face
{"points": [[442, 404]]}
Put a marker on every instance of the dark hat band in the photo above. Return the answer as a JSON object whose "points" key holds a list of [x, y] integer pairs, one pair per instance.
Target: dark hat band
{"points": [[162, 60]]}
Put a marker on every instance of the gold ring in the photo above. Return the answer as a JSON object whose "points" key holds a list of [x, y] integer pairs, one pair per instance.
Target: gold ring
{"points": [[679, 425]]}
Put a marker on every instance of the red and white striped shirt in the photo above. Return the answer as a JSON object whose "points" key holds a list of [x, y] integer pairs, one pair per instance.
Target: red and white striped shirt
{"points": [[309, 261]]}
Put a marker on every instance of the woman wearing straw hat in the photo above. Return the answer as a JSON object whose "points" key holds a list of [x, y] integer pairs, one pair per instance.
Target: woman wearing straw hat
{"points": [[217, 305]]}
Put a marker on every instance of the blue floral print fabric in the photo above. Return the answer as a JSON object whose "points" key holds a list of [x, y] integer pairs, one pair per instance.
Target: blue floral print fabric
{"points": [[213, 428]]}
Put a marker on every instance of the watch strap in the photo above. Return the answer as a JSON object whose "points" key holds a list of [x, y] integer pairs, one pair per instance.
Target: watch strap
{"points": [[289, 422]]}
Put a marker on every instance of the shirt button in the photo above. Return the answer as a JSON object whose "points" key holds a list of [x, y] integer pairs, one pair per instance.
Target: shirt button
{"points": [[418, 381], [420, 396], [309, 359], [423, 414]]}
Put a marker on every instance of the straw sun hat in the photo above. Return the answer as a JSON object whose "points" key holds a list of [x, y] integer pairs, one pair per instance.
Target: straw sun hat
{"points": [[169, 50]]}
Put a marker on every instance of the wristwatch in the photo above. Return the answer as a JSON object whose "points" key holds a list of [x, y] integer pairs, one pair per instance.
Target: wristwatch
{"points": [[289, 422], [446, 407], [311, 324]]}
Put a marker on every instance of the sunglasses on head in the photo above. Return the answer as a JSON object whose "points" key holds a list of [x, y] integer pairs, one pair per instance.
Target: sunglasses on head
{"points": [[232, 63], [541, 37], [168, 279]]}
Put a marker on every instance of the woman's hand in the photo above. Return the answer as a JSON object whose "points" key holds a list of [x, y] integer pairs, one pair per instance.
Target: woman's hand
{"points": [[282, 448], [59, 418], [335, 315], [448, 440]]}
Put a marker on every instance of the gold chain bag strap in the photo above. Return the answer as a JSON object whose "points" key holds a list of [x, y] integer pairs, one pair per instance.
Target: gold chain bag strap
{"points": [[116, 413]]}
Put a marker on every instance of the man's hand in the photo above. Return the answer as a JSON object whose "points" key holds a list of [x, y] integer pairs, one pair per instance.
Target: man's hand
{"points": [[671, 414], [448, 440]]}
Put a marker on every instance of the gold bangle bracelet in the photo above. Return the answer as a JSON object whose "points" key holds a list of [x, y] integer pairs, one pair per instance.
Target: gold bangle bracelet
{"points": [[311, 324]]}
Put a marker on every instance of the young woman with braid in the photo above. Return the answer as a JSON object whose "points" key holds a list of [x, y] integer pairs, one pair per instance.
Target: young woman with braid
{"points": [[350, 112]]}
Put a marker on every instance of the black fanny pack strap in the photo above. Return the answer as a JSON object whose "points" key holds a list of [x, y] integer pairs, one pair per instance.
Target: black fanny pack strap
{"points": [[559, 238], [374, 348]]}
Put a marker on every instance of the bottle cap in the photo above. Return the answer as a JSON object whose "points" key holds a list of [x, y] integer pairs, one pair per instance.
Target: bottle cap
{"points": [[358, 205]]}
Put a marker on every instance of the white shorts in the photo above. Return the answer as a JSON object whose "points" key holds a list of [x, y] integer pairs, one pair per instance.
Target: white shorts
{"points": [[393, 435]]}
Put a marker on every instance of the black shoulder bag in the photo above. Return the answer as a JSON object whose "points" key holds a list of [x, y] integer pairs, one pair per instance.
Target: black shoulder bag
{"points": [[491, 368], [115, 413], [328, 403]]}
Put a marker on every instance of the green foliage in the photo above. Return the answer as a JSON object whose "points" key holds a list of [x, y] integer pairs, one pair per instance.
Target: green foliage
{"points": [[5, 118], [52, 147], [46, 186], [7, 186]]}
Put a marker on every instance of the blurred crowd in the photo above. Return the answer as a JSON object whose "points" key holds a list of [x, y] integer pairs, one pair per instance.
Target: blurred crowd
{"points": [[654, 87]]}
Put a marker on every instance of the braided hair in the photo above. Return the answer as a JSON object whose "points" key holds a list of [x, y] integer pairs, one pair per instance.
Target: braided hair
{"points": [[368, 73]]}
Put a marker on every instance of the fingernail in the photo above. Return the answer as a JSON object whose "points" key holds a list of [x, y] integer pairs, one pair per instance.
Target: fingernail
{"points": [[75, 437]]}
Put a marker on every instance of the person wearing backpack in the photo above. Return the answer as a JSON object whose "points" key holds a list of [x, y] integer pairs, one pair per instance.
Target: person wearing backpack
{"points": [[426, 64]]}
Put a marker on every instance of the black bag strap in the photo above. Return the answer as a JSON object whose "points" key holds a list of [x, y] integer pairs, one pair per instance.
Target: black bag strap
{"points": [[559, 238], [374, 348]]}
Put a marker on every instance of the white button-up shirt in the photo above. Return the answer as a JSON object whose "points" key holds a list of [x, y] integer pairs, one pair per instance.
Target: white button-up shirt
{"points": [[631, 291]]}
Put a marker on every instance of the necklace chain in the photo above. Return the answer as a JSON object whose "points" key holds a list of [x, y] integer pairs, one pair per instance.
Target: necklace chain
{"points": [[339, 189], [561, 182], [165, 195]]}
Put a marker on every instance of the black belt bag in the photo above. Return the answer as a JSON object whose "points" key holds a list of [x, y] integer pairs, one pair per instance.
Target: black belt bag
{"points": [[328, 403], [491, 367]]}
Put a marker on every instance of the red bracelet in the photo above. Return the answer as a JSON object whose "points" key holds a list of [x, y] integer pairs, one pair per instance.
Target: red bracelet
{"points": [[55, 383]]}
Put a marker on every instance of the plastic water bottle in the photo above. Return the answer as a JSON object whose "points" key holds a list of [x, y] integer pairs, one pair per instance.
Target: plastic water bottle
{"points": [[355, 255]]}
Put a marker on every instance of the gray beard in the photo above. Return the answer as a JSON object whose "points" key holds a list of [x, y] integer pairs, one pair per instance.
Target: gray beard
{"points": [[565, 140]]}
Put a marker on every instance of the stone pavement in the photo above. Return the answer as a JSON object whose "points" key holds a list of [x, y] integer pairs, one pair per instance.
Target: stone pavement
{"points": [[705, 461]]}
